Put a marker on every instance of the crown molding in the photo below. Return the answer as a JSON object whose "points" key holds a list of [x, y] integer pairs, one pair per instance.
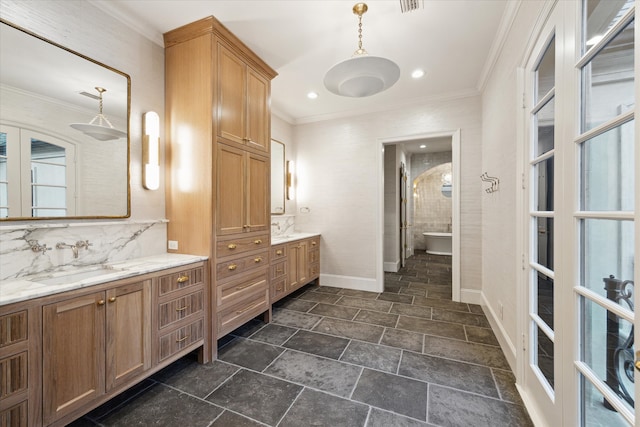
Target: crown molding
{"points": [[135, 24]]}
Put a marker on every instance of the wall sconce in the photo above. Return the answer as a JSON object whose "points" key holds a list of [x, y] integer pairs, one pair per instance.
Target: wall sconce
{"points": [[290, 180], [151, 151]]}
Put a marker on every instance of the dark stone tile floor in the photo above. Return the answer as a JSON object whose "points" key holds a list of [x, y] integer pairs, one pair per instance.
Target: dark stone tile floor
{"points": [[337, 357]]}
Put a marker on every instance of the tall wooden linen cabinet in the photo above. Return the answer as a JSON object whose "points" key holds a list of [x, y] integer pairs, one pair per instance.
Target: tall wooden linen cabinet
{"points": [[218, 127]]}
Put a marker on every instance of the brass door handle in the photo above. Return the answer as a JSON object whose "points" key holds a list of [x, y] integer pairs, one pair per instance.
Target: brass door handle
{"points": [[181, 309], [182, 279], [183, 339]]}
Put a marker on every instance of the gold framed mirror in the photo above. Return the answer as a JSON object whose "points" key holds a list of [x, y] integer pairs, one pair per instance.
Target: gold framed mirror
{"points": [[49, 169]]}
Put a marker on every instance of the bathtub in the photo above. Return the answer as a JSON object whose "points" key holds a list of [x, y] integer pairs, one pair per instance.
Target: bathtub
{"points": [[438, 243]]}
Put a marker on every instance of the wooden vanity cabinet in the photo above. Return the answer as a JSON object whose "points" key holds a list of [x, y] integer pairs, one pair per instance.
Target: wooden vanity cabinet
{"points": [[294, 265], [218, 187], [92, 344], [19, 370]]}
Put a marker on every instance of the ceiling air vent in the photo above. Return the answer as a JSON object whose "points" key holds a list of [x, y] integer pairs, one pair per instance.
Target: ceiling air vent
{"points": [[409, 5]]}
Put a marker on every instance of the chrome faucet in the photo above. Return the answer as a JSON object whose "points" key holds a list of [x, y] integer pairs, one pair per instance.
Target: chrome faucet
{"points": [[74, 248]]}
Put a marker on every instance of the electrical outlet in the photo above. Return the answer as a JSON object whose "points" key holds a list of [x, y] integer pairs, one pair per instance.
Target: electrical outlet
{"points": [[173, 245]]}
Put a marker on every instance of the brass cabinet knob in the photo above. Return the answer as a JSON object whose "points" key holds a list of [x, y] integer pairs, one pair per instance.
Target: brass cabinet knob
{"points": [[232, 267], [183, 279], [313, 243], [279, 252], [231, 246], [258, 259], [257, 242], [112, 299], [637, 364], [101, 302]]}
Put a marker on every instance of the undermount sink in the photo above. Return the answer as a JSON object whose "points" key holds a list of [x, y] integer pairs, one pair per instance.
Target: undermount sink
{"points": [[76, 276]]}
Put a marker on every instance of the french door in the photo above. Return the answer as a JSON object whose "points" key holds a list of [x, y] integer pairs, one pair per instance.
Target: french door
{"points": [[581, 247]]}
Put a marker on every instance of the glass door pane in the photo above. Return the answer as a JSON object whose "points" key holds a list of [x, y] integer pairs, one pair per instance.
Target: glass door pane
{"points": [[541, 233], [605, 219]]}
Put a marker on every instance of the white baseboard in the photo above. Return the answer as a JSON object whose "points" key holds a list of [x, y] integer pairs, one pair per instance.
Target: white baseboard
{"points": [[533, 410], [471, 296], [350, 282], [391, 266], [508, 348]]}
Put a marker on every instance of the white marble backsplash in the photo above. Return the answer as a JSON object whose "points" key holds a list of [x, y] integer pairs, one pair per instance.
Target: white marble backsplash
{"points": [[282, 225], [109, 242]]}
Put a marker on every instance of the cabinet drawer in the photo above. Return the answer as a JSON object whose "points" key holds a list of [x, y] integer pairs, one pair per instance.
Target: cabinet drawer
{"points": [[172, 311], [173, 342], [13, 371], [278, 288], [278, 270], [239, 313], [314, 271], [15, 416], [314, 254], [235, 290], [180, 280], [314, 242], [240, 265], [278, 252], [241, 245], [13, 328]]}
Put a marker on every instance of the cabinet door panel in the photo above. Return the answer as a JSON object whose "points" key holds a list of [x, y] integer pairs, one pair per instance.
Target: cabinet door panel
{"points": [[231, 95], [73, 353], [258, 200], [257, 111], [128, 332], [230, 204]]}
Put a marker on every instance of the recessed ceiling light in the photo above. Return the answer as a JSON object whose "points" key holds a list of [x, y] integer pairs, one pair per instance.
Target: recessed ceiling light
{"points": [[312, 95], [416, 74], [423, 146]]}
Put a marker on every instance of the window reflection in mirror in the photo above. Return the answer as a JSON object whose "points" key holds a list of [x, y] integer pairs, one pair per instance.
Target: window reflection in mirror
{"points": [[277, 177], [47, 168]]}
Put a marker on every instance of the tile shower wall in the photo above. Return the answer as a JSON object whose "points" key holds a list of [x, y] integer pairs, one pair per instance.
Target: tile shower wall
{"points": [[432, 208], [429, 210]]}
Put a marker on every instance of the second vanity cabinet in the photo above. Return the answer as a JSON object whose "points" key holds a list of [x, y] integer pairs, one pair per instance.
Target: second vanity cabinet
{"points": [[293, 265], [95, 342]]}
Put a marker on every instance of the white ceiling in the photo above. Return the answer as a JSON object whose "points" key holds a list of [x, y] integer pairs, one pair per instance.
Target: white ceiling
{"points": [[454, 41]]}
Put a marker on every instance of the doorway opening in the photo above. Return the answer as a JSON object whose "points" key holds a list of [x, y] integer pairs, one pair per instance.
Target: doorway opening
{"points": [[408, 167]]}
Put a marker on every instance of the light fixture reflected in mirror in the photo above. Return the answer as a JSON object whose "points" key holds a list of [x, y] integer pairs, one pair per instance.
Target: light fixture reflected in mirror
{"points": [[362, 74], [290, 180], [151, 151], [99, 127]]}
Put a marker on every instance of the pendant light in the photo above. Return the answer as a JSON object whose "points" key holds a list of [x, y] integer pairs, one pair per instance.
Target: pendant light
{"points": [[362, 74], [103, 130]]}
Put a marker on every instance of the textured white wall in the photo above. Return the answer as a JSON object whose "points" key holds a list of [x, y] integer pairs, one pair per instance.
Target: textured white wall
{"points": [[80, 26], [501, 109], [338, 172]]}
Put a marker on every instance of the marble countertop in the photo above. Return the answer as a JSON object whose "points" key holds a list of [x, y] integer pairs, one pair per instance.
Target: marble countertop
{"points": [[277, 240], [45, 284]]}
